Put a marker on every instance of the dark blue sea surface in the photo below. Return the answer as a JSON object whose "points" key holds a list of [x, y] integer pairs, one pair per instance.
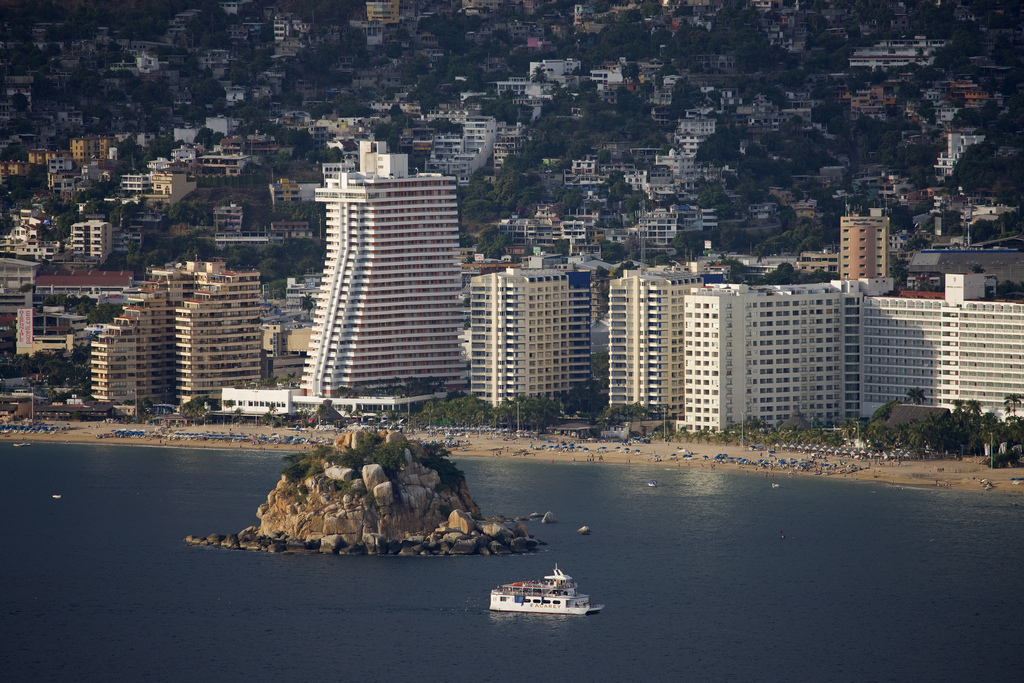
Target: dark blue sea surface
{"points": [[710, 576]]}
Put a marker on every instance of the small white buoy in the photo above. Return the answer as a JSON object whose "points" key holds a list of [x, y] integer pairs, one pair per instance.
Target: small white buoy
{"points": [[585, 530]]}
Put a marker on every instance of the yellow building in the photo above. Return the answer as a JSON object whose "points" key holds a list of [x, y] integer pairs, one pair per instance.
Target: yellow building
{"points": [[530, 333], [136, 356], [91, 147], [384, 12]]}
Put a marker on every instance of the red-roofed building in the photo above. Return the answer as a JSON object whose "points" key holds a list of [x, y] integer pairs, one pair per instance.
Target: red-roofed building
{"points": [[91, 283]]}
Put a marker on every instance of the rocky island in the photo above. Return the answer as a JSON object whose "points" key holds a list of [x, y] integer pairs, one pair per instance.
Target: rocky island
{"points": [[374, 493]]}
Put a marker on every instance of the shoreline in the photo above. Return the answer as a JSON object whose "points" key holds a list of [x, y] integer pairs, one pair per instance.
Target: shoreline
{"points": [[966, 474]]}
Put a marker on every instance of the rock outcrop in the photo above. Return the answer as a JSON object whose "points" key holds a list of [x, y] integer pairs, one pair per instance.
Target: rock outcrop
{"points": [[371, 510]]}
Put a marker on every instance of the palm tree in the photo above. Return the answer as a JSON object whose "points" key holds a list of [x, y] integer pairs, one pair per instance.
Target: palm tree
{"points": [[916, 395], [1012, 401]]}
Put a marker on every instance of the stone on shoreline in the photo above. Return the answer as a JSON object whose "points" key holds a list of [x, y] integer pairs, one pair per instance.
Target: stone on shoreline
{"points": [[548, 518]]}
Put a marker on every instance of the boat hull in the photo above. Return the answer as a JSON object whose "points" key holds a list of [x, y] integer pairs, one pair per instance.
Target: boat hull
{"points": [[546, 609]]}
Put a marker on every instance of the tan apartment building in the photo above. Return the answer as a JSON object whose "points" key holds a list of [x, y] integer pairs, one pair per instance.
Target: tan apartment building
{"points": [[645, 348], [136, 356], [92, 240], [864, 246], [185, 332], [811, 261], [218, 338], [530, 333]]}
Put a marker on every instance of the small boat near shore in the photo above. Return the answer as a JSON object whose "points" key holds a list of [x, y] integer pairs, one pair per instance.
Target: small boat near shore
{"points": [[19, 445], [652, 482], [555, 594]]}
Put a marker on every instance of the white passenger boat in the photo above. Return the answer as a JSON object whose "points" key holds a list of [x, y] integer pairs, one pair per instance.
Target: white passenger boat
{"points": [[556, 594]]}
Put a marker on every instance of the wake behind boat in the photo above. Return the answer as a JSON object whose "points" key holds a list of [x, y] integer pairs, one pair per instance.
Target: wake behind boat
{"points": [[556, 594]]}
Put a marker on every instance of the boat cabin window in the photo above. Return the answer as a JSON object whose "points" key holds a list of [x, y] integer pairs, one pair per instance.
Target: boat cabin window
{"points": [[504, 599], [556, 602]]}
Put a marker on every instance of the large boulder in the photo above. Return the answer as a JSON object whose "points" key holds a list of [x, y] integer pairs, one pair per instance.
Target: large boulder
{"points": [[373, 474], [521, 531], [498, 532], [330, 545], [384, 494], [466, 547], [459, 519], [430, 479], [548, 518], [340, 473], [376, 544], [395, 437], [520, 545]]}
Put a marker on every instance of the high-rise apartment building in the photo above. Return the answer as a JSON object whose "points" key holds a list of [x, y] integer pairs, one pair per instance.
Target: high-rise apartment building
{"points": [[763, 352], [530, 333], [825, 352], [185, 332], [135, 357], [864, 246], [645, 348], [388, 309], [216, 329]]}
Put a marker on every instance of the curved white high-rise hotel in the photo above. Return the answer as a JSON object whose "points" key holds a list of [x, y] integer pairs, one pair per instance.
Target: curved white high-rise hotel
{"points": [[388, 309]]}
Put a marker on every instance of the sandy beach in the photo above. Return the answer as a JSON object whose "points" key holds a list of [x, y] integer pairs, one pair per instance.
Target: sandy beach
{"points": [[966, 474]]}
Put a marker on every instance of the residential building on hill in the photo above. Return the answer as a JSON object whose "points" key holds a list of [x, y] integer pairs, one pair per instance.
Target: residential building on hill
{"points": [[389, 306], [864, 246], [92, 240], [956, 143]]}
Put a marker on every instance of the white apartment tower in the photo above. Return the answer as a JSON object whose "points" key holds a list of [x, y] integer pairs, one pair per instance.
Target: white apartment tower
{"points": [[388, 309], [763, 352], [645, 359], [530, 333]]}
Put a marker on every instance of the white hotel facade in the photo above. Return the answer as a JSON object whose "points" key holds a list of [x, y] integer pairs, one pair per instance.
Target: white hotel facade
{"points": [[825, 352], [388, 309]]}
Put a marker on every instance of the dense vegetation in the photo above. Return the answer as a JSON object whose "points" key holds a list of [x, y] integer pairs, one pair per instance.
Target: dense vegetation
{"points": [[371, 449]]}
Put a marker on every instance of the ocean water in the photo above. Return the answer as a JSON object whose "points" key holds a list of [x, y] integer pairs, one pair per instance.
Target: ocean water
{"points": [[710, 576]]}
